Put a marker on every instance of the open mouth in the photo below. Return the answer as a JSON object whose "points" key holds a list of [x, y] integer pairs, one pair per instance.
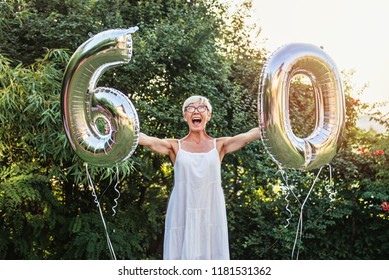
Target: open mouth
{"points": [[196, 120]]}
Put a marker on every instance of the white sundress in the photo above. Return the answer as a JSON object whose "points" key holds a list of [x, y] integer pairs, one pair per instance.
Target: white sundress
{"points": [[196, 221]]}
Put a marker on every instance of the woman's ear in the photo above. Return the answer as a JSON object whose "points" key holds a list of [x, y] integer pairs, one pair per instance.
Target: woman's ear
{"points": [[209, 116]]}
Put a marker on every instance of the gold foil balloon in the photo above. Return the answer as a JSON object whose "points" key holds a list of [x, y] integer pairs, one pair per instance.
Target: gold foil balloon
{"points": [[101, 123], [285, 148]]}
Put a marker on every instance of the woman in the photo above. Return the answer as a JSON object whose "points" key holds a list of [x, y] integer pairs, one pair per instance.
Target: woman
{"points": [[196, 221]]}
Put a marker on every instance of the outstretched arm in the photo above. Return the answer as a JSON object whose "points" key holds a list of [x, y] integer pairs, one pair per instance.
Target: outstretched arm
{"points": [[161, 146], [234, 143]]}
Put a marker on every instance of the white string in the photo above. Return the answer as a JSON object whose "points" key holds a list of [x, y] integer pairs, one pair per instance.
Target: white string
{"points": [[288, 210], [288, 191], [299, 230], [330, 186], [96, 200], [116, 190]]}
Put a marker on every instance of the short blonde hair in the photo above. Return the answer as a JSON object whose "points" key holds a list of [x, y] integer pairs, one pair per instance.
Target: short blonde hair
{"points": [[197, 98]]}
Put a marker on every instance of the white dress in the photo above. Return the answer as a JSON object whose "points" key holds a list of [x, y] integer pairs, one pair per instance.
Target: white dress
{"points": [[196, 221]]}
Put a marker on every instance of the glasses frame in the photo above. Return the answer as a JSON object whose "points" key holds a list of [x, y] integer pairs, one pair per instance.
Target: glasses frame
{"points": [[192, 109]]}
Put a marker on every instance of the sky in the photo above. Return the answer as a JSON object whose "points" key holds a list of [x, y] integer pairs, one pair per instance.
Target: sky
{"points": [[354, 33]]}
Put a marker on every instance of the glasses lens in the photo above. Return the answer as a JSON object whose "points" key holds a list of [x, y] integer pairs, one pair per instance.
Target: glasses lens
{"points": [[190, 109], [201, 109]]}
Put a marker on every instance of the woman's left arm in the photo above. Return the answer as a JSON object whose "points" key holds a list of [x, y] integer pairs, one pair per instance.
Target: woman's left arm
{"points": [[234, 143]]}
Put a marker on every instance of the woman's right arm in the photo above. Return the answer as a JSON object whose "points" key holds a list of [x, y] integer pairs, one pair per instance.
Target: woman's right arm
{"points": [[161, 146]]}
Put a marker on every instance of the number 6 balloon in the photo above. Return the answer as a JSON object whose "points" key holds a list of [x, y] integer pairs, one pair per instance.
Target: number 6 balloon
{"points": [[285, 148], [101, 123]]}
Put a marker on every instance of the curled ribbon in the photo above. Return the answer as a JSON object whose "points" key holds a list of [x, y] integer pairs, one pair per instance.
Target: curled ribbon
{"points": [[96, 200]]}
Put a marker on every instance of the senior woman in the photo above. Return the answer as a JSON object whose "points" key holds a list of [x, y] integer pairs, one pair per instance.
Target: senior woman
{"points": [[196, 221]]}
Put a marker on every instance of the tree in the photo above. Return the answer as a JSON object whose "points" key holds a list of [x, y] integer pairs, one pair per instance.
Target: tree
{"points": [[182, 48], [176, 54]]}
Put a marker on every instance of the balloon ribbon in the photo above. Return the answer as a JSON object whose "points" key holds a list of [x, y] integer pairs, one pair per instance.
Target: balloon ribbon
{"points": [[96, 200], [299, 230]]}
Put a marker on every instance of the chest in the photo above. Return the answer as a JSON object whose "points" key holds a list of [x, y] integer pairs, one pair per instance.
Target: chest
{"points": [[198, 164]]}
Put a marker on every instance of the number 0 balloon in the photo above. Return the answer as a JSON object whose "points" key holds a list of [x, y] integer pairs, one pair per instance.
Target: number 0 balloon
{"points": [[101, 123], [285, 148]]}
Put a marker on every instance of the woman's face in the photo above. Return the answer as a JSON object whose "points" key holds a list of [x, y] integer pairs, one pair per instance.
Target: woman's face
{"points": [[197, 115]]}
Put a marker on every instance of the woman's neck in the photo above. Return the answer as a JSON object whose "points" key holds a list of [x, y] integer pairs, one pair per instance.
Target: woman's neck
{"points": [[197, 142], [197, 137]]}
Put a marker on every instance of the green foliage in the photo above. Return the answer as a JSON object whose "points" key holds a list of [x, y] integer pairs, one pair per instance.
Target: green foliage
{"points": [[182, 48], [29, 213]]}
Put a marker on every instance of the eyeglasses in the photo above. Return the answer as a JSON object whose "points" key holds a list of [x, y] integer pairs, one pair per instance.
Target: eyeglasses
{"points": [[200, 109]]}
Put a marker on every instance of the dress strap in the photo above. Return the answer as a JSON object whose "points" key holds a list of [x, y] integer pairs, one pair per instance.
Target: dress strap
{"points": [[179, 144], [214, 143]]}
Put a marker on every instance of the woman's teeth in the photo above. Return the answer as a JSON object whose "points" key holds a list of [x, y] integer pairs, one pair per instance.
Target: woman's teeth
{"points": [[196, 120]]}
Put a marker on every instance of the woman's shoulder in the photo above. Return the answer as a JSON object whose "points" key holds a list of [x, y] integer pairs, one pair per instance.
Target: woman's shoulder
{"points": [[173, 143], [220, 142]]}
